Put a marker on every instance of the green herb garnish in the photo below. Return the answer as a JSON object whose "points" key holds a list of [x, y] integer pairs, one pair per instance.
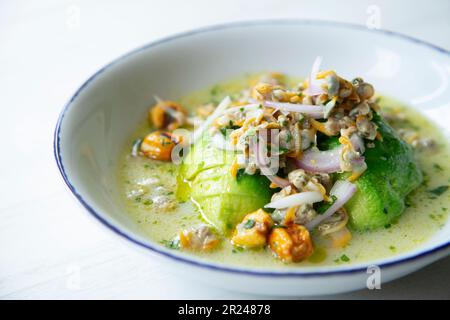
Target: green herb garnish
{"points": [[288, 136], [250, 223], [230, 126], [240, 174], [324, 206], [439, 190], [214, 91], [237, 249], [284, 150], [171, 244]]}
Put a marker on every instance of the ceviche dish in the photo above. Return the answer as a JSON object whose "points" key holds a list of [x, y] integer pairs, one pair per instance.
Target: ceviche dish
{"points": [[274, 170]]}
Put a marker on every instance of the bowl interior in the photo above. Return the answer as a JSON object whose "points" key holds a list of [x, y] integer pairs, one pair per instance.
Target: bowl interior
{"points": [[104, 112]]}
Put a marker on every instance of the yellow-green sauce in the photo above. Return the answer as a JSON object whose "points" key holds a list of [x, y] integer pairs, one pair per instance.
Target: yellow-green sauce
{"points": [[141, 179]]}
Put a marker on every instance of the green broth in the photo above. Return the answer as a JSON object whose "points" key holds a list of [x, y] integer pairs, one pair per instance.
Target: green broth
{"points": [[141, 179]]}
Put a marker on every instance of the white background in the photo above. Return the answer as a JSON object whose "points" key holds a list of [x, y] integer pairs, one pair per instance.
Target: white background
{"points": [[49, 247]]}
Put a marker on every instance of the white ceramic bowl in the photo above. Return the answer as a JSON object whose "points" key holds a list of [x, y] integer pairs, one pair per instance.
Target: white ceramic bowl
{"points": [[102, 114]]}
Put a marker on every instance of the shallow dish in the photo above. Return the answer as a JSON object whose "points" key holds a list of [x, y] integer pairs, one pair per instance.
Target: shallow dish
{"points": [[103, 113]]}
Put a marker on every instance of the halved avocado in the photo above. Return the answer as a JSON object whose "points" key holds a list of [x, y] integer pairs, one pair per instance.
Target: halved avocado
{"points": [[205, 177], [392, 172]]}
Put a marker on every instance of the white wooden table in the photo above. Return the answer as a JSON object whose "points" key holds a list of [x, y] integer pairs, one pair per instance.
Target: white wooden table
{"points": [[49, 247]]}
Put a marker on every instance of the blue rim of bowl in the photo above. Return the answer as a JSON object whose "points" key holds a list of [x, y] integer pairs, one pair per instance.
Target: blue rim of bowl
{"points": [[186, 259]]}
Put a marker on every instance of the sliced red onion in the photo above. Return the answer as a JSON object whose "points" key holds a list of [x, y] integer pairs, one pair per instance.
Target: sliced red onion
{"points": [[177, 115], [358, 162], [260, 159], [358, 143], [255, 113], [173, 113], [247, 107], [311, 110], [328, 108], [296, 200], [314, 88], [219, 142], [136, 147], [316, 66], [343, 191], [157, 99], [316, 161], [281, 182], [225, 103], [274, 111], [266, 171]]}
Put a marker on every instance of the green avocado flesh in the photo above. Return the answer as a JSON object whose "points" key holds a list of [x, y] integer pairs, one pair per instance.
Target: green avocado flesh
{"points": [[205, 177], [392, 172]]}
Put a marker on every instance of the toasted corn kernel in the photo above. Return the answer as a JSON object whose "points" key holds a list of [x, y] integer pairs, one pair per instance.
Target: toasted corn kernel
{"points": [[252, 231], [291, 244], [158, 145], [167, 115]]}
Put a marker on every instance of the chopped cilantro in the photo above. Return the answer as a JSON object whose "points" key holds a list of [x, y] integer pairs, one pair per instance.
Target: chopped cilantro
{"points": [[301, 120], [345, 258], [284, 150], [240, 174], [250, 223], [230, 126], [439, 190], [171, 244], [323, 206], [214, 90], [288, 136], [408, 203], [237, 249]]}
